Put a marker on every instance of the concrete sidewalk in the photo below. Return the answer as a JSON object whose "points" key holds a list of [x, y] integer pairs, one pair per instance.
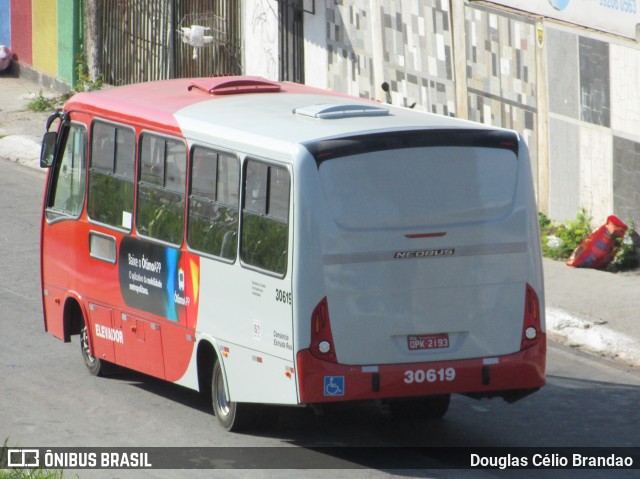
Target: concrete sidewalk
{"points": [[20, 129], [594, 310]]}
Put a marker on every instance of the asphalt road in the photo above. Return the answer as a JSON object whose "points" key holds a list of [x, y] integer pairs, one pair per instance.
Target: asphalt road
{"points": [[48, 399]]}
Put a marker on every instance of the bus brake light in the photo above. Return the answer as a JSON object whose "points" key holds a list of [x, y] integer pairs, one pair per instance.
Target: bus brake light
{"points": [[531, 329], [321, 336]]}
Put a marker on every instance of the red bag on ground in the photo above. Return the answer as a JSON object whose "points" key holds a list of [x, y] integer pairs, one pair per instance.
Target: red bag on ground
{"points": [[599, 248]]}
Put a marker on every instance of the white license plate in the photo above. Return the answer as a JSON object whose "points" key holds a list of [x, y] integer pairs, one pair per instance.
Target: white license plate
{"points": [[428, 341]]}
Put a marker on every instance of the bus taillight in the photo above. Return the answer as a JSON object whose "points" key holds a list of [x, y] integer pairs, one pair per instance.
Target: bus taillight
{"points": [[531, 329], [321, 337]]}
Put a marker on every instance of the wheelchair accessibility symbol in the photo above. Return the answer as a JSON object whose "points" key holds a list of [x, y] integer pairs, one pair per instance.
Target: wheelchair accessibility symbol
{"points": [[334, 385]]}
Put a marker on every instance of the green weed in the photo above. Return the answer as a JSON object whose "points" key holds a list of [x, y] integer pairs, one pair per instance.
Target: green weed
{"points": [[559, 240], [83, 83], [41, 103], [627, 257]]}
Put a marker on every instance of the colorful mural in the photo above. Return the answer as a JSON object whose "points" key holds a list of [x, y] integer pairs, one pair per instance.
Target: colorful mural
{"points": [[43, 35], [5, 24], [20, 40]]}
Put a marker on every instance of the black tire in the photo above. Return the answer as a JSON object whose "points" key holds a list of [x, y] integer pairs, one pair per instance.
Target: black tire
{"points": [[231, 415], [96, 366], [431, 407]]}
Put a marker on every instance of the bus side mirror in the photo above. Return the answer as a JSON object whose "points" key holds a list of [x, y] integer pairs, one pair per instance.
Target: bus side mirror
{"points": [[48, 150]]}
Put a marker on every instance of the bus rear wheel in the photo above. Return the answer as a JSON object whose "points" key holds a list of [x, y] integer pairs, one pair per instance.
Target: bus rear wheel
{"points": [[95, 366], [231, 415]]}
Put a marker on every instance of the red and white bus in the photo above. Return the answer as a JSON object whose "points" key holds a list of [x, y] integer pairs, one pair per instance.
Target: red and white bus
{"points": [[272, 243]]}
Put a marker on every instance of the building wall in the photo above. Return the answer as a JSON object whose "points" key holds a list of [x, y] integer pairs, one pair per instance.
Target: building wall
{"points": [[5, 23], [407, 45], [418, 54], [594, 147], [69, 26], [45, 37], [21, 31], [502, 87], [316, 60], [351, 28], [260, 38], [573, 93], [415, 56], [625, 85]]}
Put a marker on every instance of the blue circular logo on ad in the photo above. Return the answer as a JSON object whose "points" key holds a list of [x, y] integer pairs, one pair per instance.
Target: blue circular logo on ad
{"points": [[559, 4]]}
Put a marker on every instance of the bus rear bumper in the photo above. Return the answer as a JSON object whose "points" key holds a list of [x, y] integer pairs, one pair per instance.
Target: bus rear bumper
{"points": [[511, 376]]}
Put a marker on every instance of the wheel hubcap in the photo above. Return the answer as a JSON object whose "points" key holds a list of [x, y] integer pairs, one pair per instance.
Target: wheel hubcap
{"points": [[84, 341], [221, 396]]}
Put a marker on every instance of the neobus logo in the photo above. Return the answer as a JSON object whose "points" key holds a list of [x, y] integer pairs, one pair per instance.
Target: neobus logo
{"points": [[425, 253]]}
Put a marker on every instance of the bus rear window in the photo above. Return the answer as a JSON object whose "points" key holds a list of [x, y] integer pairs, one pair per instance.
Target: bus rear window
{"points": [[419, 186]]}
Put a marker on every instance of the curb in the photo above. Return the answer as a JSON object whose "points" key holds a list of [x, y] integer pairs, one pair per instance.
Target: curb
{"points": [[593, 337], [20, 149]]}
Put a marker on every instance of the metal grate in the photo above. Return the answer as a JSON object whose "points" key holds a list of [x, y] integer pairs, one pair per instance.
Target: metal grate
{"points": [[141, 40], [223, 56], [291, 40]]}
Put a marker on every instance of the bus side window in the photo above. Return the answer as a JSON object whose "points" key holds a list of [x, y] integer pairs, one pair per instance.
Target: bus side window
{"points": [[265, 217], [213, 203], [111, 175], [161, 188], [68, 184]]}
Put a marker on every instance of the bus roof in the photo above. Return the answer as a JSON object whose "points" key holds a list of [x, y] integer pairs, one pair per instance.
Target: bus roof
{"points": [[241, 110]]}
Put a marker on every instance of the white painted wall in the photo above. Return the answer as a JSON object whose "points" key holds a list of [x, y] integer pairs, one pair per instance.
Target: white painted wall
{"points": [[260, 42], [625, 90], [596, 172], [316, 63]]}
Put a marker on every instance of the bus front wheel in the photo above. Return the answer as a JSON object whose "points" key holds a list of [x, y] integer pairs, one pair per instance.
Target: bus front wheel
{"points": [[95, 366]]}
